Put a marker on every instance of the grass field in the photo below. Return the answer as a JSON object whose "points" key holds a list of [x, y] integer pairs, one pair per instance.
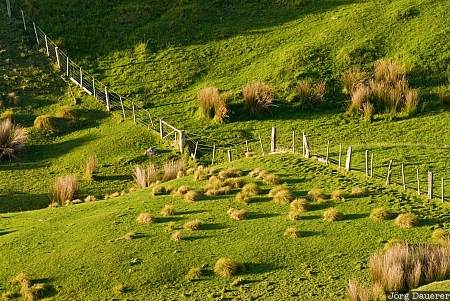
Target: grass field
{"points": [[160, 54]]}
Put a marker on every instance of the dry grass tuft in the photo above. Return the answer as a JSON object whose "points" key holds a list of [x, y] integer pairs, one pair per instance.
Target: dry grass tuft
{"points": [[64, 189], [12, 139], [234, 182], [352, 78], [194, 273], [358, 192], [90, 198], [193, 225], [145, 218], [237, 214], [316, 194], [255, 172], [283, 196], [202, 173], [212, 104], [177, 235], [407, 220], [191, 196], [337, 195], [294, 215], [129, 236], [230, 173], [66, 113], [309, 95], [250, 189], [356, 292], [119, 289], [441, 236], [258, 97], [242, 197], [159, 189], [291, 232], [332, 214], [144, 176], [276, 189], [173, 169], [44, 123], [380, 214], [226, 267], [89, 167], [168, 210], [270, 179], [300, 205]]}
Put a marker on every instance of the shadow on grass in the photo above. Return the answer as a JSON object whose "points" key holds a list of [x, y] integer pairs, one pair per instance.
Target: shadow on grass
{"points": [[4, 232], [309, 233], [20, 201], [354, 216], [257, 215], [162, 220], [213, 226], [113, 178], [194, 238], [258, 268], [310, 217]]}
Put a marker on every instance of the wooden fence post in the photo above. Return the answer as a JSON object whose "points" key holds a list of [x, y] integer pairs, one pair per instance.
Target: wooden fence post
{"points": [[293, 142], [303, 144], [273, 143], [340, 155], [108, 107], [388, 178], [195, 151], [261, 144], [8, 8], [403, 177], [182, 140], [328, 152], [367, 162], [94, 92], [307, 151], [430, 185], [371, 165], [246, 148], [134, 113], [213, 154], [67, 66], [57, 57], [121, 105], [46, 45], [23, 19], [348, 160], [161, 132], [81, 79], [418, 181], [35, 33], [442, 189], [229, 155]]}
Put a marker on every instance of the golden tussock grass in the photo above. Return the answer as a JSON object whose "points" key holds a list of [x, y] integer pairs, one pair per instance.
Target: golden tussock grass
{"points": [[12, 139], [300, 205], [380, 214], [168, 210], [193, 225], [226, 267], [173, 170], [64, 189], [332, 214], [90, 167], [44, 123], [291, 232], [258, 97], [191, 196], [407, 220], [194, 273], [237, 214], [145, 218], [177, 235], [283, 196]]}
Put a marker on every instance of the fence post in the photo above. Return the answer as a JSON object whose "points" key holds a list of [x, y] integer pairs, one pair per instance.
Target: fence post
{"points": [[46, 45], [442, 189], [35, 33], [213, 154], [348, 160], [328, 152], [340, 155], [293, 142], [161, 132], [247, 151], [8, 8], [261, 144], [273, 143], [430, 185], [182, 141], [93, 87], [121, 105], [23, 19], [81, 78], [306, 147], [403, 177], [367, 162], [108, 107], [134, 114], [388, 178], [371, 165], [229, 155], [57, 57], [195, 151], [67, 66]]}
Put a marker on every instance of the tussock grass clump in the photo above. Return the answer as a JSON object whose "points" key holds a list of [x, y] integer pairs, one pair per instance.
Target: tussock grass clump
{"points": [[294, 215], [27, 290], [255, 172], [66, 113], [202, 173], [358, 192], [270, 179], [215, 183], [194, 273], [250, 189], [89, 167], [45, 124], [177, 235], [283, 196], [352, 78], [234, 182], [407, 220], [441, 236], [316, 194], [291, 232], [8, 115], [237, 214], [276, 189], [64, 189], [337, 195], [242, 197], [332, 214], [12, 139], [145, 218], [356, 292], [406, 266], [168, 210], [226, 267], [212, 104], [144, 176], [129, 236], [258, 97], [172, 170], [230, 173], [308, 95], [380, 214], [191, 196], [300, 205], [161, 189], [193, 225], [90, 198], [119, 289], [181, 191]]}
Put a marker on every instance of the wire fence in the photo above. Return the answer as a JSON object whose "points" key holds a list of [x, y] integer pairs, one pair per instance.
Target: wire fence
{"points": [[198, 150]]}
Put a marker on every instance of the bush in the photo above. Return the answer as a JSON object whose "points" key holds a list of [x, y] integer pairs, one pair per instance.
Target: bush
{"points": [[12, 139], [168, 210], [291, 232], [193, 225], [309, 95], [226, 267], [380, 214], [300, 205], [258, 97], [89, 167], [332, 214], [194, 274], [145, 218], [191, 196], [212, 104], [407, 220], [237, 214], [45, 124], [64, 189]]}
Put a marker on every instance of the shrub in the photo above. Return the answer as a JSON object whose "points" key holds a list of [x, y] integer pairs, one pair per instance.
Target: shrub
{"points": [[338, 195], [145, 218], [194, 225], [258, 97], [291, 232], [191, 196], [405, 266], [407, 220], [226, 267], [380, 214], [230, 173], [89, 167], [212, 104], [309, 95], [441, 236], [316, 194], [177, 235], [12, 139], [283, 197], [352, 78], [294, 215], [44, 123], [64, 189], [332, 214], [194, 274], [300, 205], [168, 210], [271, 179], [237, 214], [250, 189]]}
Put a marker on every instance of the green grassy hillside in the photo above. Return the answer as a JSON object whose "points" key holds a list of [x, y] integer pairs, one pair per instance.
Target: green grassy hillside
{"points": [[78, 250]]}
